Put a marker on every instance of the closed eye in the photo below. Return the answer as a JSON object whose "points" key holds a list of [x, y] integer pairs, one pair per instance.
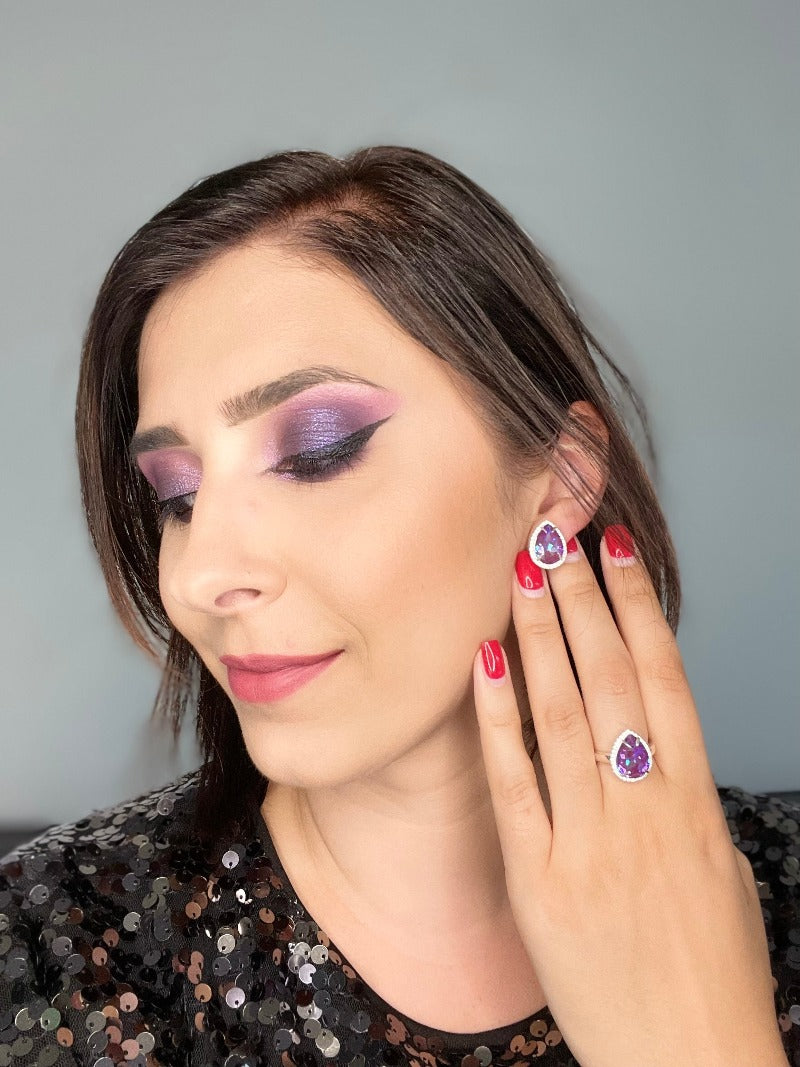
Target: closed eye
{"points": [[319, 464]]}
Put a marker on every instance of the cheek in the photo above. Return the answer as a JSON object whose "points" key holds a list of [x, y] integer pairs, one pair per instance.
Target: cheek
{"points": [[426, 576], [166, 561]]}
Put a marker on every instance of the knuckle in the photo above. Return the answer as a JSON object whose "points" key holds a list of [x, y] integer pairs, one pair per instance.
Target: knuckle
{"points": [[615, 677], [497, 715], [562, 720], [584, 596], [666, 673], [642, 599], [504, 716], [536, 628], [516, 793]]}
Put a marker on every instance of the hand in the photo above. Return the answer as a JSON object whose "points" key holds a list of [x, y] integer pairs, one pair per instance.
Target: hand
{"points": [[640, 916]]}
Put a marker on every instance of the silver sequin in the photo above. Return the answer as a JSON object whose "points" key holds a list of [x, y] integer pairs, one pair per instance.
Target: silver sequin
{"points": [[123, 941]]}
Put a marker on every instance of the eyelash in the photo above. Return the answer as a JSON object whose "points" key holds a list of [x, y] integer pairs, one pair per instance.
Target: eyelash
{"points": [[318, 465]]}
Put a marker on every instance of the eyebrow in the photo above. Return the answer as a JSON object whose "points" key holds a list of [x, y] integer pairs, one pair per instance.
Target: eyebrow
{"points": [[249, 405]]}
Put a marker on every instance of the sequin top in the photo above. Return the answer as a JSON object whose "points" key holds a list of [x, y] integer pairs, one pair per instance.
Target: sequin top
{"points": [[124, 940]]}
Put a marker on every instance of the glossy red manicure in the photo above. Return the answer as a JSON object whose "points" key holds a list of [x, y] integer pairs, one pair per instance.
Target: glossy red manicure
{"points": [[493, 662], [619, 543], [529, 576]]}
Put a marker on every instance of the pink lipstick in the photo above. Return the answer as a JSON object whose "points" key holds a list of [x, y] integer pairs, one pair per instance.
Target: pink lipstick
{"points": [[261, 679]]}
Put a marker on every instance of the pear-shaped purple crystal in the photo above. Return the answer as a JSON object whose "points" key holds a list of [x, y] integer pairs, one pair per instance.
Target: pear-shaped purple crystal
{"points": [[632, 759], [549, 546]]}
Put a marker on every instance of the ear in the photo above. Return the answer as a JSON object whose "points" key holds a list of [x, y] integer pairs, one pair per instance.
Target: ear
{"points": [[563, 501]]}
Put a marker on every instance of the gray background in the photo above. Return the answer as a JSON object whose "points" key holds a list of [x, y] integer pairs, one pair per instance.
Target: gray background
{"points": [[649, 148]]}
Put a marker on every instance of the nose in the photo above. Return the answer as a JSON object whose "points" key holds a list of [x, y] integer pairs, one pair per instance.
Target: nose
{"points": [[227, 558]]}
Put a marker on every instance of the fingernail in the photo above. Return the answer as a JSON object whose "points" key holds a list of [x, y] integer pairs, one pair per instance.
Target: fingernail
{"points": [[493, 662], [529, 576], [620, 545], [573, 552]]}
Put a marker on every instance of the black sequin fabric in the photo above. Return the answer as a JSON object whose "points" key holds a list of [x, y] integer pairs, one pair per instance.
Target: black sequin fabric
{"points": [[122, 940]]}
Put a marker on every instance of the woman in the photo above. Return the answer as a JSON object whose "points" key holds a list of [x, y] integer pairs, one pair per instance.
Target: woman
{"points": [[410, 463]]}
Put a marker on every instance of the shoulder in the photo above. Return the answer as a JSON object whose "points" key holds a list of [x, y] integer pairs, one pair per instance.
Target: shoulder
{"points": [[104, 834], [72, 905], [767, 830]]}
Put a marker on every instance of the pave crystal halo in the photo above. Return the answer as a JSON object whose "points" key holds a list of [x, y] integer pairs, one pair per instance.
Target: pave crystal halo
{"points": [[547, 546]]}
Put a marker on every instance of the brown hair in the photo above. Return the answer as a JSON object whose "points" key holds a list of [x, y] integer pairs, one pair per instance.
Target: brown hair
{"points": [[456, 271]]}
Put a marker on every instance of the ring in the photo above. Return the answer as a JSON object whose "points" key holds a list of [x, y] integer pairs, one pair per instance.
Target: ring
{"points": [[631, 757]]}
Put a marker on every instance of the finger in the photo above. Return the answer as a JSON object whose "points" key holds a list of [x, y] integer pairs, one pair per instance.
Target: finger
{"points": [[565, 740], [671, 712], [522, 823], [608, 681]]}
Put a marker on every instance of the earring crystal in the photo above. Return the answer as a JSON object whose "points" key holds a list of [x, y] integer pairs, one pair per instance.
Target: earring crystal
{"points": [[547, 546]]}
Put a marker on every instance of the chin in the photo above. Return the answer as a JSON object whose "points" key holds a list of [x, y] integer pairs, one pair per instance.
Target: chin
{"points": [[305, 756]]}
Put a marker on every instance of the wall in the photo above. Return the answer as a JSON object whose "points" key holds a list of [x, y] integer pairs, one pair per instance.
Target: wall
{"points": [[649, 148]]}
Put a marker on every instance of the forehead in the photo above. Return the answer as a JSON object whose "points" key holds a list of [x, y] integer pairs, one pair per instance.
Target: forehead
{"points": [[257, 304], [256, 313]]}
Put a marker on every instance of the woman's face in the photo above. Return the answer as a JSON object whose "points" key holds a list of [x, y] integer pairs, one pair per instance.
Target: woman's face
{"points": [[402, 559]]}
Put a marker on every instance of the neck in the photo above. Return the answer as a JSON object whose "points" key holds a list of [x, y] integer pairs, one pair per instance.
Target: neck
{"points": [[413, 846]]}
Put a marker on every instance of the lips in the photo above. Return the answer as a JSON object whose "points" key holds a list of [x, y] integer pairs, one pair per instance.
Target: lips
{"points": [[262, 664], [264, 687]]}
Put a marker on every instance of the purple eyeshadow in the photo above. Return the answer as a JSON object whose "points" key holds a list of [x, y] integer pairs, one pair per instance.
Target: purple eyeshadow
{"points": [[314, 419], [319, 428], [171, 472], [320, 417]]}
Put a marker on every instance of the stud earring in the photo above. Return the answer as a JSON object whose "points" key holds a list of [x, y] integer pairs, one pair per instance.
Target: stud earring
{"points": [[547, 546]]}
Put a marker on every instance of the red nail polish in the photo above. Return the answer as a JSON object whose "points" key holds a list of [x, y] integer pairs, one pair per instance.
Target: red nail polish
{"points": [[493, 662], [572, 545], [529, 575], [619, 542]]}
